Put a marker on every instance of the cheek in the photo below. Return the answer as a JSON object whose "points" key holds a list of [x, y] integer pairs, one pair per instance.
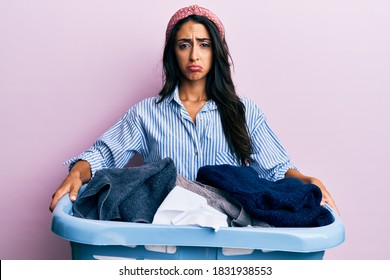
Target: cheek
{"points": [[180, 60], [210, 60]]}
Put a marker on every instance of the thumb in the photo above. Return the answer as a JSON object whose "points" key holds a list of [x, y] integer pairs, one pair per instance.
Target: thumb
{"points": [[74, 193]]}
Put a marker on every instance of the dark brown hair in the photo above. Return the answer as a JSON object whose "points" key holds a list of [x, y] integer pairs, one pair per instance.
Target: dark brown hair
{"points": [[219, 87]]}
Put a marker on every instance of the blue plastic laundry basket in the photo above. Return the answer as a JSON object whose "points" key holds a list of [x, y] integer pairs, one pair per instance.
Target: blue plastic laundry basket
{"points": [[94, 239]]}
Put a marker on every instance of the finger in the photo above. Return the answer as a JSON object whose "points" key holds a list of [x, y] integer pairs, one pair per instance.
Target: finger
{"points": [[331, 203], [74, 191], [59, 193], [73, 196], [56, 197], [335, 208]]}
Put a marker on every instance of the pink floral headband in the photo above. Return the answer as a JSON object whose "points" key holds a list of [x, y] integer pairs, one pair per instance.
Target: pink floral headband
{"points": [[194, 10]]}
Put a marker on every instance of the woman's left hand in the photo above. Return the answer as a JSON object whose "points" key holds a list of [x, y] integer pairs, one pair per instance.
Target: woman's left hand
{"points": [[326, 197]]}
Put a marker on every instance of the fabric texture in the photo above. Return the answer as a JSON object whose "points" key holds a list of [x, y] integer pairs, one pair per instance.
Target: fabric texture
{"points": [[130, 194], [223, 202], [184, 207], [284, 203], [160, 130], [194, 10]]}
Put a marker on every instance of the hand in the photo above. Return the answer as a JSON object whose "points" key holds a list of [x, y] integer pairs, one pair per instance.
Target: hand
{"points": [[80, 174], [326, 197], [71, 185]]}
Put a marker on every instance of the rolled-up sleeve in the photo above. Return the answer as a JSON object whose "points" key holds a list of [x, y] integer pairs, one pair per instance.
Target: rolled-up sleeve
{"points": [[116, 146]]}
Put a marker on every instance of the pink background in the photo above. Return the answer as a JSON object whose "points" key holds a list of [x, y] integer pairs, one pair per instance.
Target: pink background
{"points": [[319, 69]]}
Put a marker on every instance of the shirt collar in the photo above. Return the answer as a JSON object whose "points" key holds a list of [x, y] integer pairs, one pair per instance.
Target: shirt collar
{"points": [[210, 104]]}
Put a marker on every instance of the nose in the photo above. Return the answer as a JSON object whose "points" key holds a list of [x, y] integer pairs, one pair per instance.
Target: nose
{"points": [[194, 56]]}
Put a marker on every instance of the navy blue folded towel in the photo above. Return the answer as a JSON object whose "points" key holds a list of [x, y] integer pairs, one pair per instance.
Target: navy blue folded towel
{"points": [[128, 194], [285, 203]]}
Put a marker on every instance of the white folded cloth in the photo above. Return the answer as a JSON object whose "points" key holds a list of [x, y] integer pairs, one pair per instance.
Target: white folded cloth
{"points": [[184, 207]]}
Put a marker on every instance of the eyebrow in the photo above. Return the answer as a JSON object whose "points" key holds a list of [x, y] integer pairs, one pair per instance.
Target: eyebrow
{"points": [[190, 40]]}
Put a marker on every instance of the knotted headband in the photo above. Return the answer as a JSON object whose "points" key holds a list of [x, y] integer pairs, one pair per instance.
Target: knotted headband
{"points": [[194, 10]]}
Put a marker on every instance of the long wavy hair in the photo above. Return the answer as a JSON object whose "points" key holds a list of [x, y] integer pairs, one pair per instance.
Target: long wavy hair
{"points": [[219, 87]]}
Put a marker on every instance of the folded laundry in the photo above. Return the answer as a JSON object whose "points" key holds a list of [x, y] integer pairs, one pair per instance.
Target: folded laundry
{"points": [[135, 194], [285, 203], [129, 194], [223, 202], [184, 207]]}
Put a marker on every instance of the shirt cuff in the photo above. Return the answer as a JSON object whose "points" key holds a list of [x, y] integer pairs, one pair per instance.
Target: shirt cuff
{"points": [[280, 172], [86, 156]]}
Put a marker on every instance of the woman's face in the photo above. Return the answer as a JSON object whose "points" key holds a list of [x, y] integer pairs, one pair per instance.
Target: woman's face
{"points": [[193, 51]]}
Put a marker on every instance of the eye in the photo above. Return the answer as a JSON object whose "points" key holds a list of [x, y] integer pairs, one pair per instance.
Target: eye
{"points": [[205, 45], [184, 46]]}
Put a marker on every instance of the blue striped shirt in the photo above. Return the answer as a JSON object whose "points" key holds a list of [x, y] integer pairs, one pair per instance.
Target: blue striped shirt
{"points": [[165, 129]]}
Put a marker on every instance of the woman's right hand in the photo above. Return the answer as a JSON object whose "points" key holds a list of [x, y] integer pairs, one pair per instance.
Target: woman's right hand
{"points": [[80, 174]]}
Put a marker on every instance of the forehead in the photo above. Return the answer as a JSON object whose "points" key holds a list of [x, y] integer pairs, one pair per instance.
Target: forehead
{"points": [[190, 29]]}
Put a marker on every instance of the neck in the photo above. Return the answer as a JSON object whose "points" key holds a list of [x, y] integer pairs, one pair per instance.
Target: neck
{"points": [[193, 91]]}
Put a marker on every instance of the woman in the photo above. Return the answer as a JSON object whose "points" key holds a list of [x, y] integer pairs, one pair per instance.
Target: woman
{"points": [[196, 120]]}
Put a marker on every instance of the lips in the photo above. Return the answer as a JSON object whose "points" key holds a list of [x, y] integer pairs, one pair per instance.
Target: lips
{"points": [[194, 68]]}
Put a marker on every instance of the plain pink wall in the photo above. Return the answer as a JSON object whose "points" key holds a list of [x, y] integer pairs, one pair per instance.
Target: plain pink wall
{"points": [[319, 69]]}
